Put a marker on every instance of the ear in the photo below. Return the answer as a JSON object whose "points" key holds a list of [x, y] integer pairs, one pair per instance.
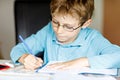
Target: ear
{"points": [[87, 23]]}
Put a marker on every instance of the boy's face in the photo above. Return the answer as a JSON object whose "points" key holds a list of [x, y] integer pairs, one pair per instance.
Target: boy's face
{"points": [[66, 28]]}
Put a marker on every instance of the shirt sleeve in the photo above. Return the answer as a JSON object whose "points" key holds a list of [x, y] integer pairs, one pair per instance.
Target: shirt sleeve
{"points": [[108, 54], [36, 43]]}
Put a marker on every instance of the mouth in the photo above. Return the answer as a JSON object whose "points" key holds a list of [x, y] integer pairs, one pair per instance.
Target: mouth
{"points": [[59, 36]]}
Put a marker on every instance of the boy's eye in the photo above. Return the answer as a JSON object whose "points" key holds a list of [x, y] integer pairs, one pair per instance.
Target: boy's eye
{"points": [[67, 27]]}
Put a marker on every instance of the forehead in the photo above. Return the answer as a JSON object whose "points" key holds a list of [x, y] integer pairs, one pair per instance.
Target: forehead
{"points": [[66, 19]]}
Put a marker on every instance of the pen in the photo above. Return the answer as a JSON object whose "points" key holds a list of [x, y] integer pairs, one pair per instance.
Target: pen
{"points": [[30, 51], [40, 67]]}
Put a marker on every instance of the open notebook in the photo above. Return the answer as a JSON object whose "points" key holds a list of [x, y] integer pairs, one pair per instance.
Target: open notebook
{"points": [[113, 72]]}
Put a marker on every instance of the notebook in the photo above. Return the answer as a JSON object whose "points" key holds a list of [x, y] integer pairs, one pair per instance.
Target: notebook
{"points": [[86, 70]]}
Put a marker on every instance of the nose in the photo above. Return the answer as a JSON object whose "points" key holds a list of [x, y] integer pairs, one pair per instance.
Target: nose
{"points": [[60, 29]]}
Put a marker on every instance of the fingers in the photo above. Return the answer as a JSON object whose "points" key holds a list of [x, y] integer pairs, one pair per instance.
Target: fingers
{"points": [[31, 62], [39, 61]]}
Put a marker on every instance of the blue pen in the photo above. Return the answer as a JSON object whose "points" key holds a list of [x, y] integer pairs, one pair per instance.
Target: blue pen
{"points": [[40, 67], [30, 51]]}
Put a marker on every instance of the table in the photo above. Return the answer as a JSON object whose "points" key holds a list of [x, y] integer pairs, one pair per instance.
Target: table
{"points": [[19, 73]]}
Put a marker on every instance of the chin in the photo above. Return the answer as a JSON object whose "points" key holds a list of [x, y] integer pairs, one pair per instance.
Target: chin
{"points": [[61, 41]]}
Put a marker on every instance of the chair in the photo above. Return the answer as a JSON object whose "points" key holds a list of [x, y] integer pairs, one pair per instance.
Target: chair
{"points": [[30, 16]]}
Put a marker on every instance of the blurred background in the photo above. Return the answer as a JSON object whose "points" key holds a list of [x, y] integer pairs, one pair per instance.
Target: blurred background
{"points": [[105, 19]]}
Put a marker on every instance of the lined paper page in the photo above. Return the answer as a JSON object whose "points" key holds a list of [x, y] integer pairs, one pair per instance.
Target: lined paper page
{"points": [[80, 71]]}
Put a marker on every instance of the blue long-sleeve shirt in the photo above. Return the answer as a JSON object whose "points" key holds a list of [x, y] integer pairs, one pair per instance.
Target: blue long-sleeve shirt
{"points": [[89, 43]]}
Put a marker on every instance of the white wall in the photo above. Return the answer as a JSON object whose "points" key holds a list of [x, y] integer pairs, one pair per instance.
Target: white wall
{"points": [[7, 37], [7, 32], [98, 16]]}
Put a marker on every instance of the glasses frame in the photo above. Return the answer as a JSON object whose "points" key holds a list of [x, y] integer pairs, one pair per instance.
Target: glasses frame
{"points": [[69, 30]]}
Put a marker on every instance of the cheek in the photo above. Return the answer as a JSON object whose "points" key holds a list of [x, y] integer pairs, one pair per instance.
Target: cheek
{"points": [[72, 35], [75, 34], [54, 29]]}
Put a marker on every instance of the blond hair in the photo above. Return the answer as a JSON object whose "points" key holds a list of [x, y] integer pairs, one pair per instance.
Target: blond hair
{"points": [[80, 9]]}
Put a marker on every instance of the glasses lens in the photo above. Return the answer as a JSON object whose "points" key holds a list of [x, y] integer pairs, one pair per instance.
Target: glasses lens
{"points": [[70, 29]]}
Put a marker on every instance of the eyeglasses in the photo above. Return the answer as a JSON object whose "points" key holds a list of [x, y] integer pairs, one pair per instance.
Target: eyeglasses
{"points": [[65, 27]]}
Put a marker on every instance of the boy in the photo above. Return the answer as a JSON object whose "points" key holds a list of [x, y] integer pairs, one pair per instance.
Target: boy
{"points": [[67, 38]]}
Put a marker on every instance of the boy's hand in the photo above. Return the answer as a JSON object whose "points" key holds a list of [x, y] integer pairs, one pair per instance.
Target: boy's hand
{"points": [[30, 62], [73, 64]]}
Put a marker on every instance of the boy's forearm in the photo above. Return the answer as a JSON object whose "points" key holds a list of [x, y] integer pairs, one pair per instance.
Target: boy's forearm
{"points": [[83, 62]]}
